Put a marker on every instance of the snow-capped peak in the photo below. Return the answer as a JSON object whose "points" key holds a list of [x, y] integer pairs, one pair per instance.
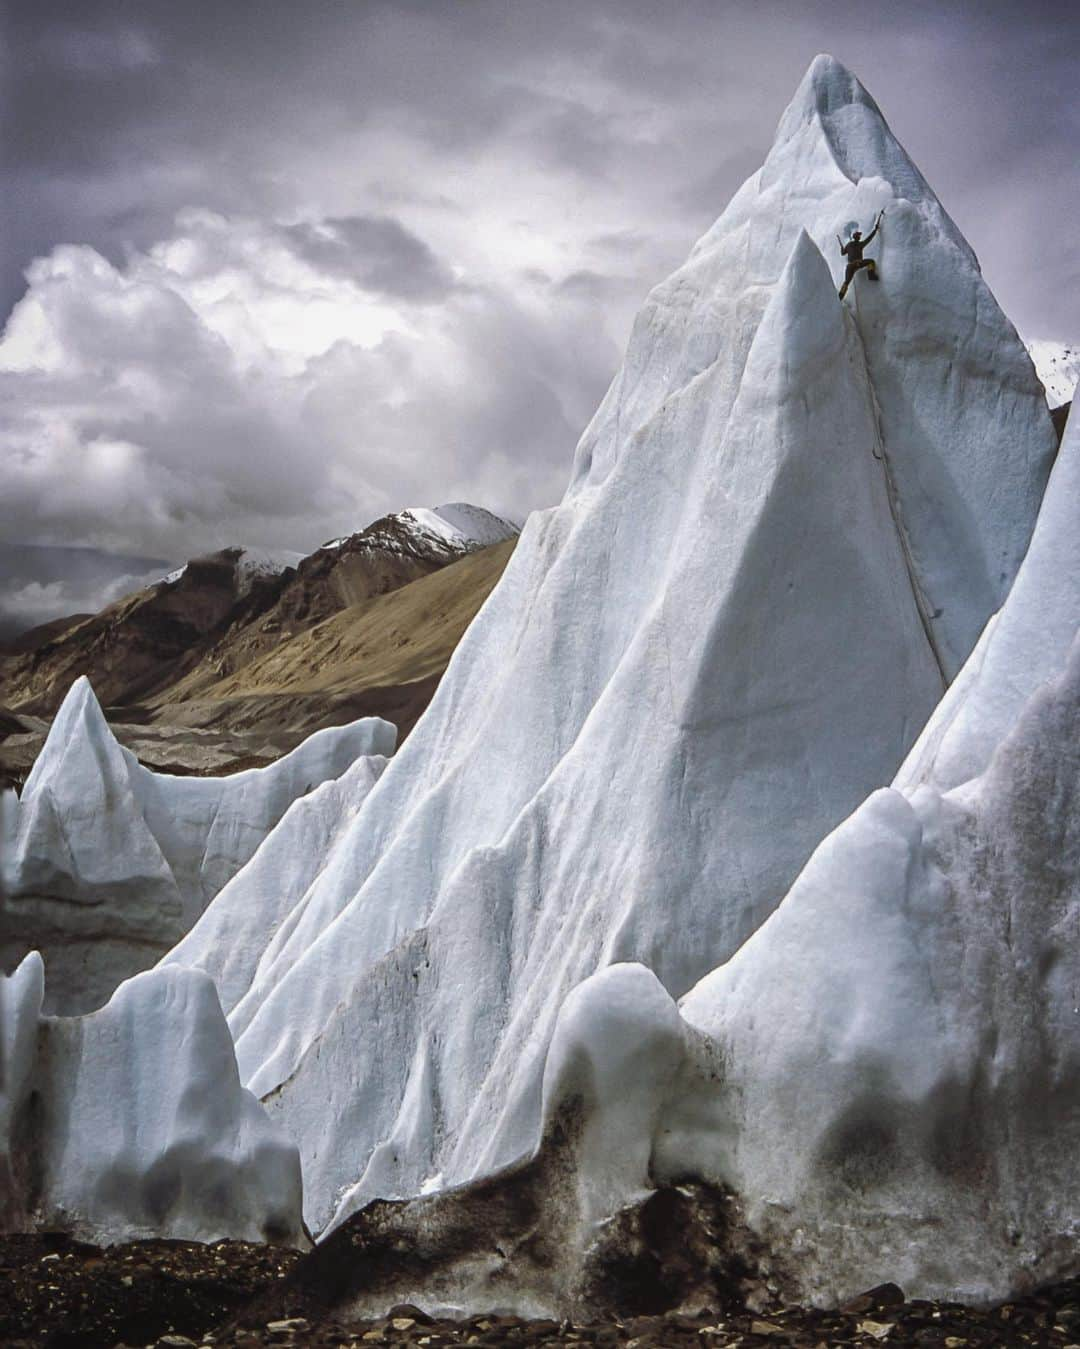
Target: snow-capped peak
{"points": [[251, 564], [462, 525], [1058, 366]]}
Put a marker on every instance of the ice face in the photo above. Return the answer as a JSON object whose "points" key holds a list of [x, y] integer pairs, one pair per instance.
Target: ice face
{"points": [[107, 864], [140, 1127], [780, 524], [1020, 649]]}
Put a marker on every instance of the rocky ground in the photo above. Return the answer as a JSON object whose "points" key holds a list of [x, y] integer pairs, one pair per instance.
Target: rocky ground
{"points": [[177, 1295]]}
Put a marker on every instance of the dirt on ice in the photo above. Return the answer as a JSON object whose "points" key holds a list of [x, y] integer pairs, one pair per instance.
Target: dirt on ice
{"points": [[59, 1294]]}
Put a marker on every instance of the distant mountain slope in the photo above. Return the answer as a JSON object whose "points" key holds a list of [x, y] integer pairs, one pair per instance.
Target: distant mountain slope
{"points": [[222, 666], [32, 638], [382, 656], [219, 612], [389, 553], [47, 583], [141, 643]]}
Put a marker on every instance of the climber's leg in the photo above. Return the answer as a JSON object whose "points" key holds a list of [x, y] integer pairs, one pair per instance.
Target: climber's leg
{"points": [[852, 268]]}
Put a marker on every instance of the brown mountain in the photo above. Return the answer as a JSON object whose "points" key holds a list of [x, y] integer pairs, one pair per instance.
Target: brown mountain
{"points": [[233, 659]]}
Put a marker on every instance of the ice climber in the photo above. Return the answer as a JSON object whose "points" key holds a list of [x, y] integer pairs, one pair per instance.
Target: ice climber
{"points": [[853, 251]]}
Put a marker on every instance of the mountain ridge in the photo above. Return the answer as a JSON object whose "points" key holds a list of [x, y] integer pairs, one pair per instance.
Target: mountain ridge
{"points": [[169, 662]]}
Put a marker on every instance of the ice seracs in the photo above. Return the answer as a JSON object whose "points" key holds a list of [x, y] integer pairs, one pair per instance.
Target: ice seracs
{"points": [[787, 525], [901, 1041], [20, 1013], [104, 864], [881, 1084], [131, 1122]]}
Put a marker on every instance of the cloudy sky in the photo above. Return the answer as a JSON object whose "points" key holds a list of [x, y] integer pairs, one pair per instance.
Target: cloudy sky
{"points": [[270, 268]]}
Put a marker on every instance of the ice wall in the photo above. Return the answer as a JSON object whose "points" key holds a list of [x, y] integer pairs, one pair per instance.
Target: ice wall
{"points": [[900, 1096], [104, 864], [130, 1122]]}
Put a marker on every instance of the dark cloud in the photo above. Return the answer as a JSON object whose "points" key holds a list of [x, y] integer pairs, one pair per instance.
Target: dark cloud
{"points": [[39, 584], [377, 252]]}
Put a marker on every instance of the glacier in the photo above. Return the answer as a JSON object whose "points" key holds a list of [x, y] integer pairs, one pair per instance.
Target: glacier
{"points": [[785, 529], [633, 906], [105, 864]]}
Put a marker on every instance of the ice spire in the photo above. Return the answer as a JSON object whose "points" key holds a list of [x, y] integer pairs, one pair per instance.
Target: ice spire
{"points": [[692, 669]]}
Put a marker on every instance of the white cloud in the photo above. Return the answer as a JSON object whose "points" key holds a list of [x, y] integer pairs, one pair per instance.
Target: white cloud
{"points": [[246, 381]]}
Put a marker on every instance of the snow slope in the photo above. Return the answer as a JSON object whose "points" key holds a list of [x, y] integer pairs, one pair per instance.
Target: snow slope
{"points": [[462, 525], [439, 534], [787, 525], [254, 563], [1058, 366], [106, 864]]}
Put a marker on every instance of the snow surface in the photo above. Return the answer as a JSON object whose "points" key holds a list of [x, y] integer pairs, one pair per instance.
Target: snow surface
{"points": [[111, 863], [252, 564], [141, 1127], [1058, 366], [462, 525], [788, 520]]}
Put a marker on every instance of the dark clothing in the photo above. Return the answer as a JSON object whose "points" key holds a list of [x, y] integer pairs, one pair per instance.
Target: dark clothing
{"points": [[854, 267], [853, 249]]}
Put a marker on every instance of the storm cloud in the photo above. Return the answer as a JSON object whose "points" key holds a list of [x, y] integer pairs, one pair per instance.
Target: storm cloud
{"points": [[272, 269]]}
